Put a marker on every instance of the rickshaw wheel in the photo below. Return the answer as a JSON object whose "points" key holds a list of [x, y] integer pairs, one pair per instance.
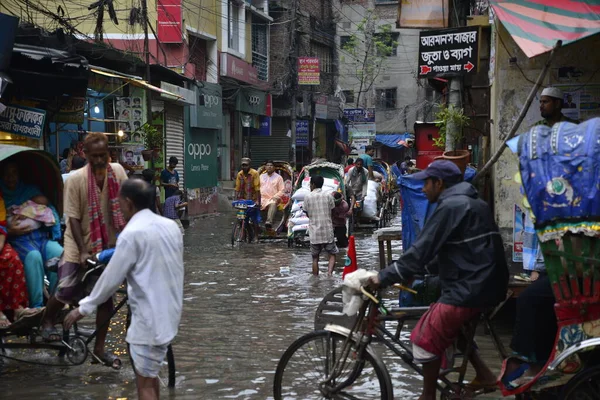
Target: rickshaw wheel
{"points": [[78, 352], [584, 385]]}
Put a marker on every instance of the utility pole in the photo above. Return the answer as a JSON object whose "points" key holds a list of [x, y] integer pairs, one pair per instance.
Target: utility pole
{"points": [[294, 68], [455, 84], [147, 54]]}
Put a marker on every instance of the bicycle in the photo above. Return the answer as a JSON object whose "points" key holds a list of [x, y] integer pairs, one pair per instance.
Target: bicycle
{"points": [[343, 364], [75, 344], [243, 227]]}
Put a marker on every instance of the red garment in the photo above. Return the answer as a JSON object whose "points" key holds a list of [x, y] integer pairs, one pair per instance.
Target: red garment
{"points": [[98, 231], [348, 168], [13, 292], [338, 214], [440, 326]]}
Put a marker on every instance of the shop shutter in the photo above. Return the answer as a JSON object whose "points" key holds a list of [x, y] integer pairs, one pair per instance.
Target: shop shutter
{"points": [[175, 138], [269, 148], [280, 126]]}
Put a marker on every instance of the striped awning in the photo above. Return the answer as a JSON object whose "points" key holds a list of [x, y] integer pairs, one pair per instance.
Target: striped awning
{"points": [[536, 25]]}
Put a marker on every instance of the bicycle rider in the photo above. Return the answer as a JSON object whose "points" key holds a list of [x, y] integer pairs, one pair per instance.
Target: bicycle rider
{"points": [[247, 187], [149, 254], [471, 266]]}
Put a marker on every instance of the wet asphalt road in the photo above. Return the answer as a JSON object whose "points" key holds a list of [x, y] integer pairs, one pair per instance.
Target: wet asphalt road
{"points": [[239, 315]]}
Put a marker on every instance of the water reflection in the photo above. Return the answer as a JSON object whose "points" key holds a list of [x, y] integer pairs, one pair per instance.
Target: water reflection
{"points": [[239, 315]]}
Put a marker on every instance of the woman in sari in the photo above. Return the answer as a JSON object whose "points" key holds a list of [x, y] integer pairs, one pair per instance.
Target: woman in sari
{"points": [[34, 247], [13, 292]]}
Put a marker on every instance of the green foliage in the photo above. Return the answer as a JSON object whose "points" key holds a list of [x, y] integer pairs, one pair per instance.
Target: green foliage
{"points": [[153, 138], [446, 115], [369, 48]]}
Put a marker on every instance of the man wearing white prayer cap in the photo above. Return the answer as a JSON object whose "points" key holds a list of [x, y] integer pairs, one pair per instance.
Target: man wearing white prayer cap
{"points": [[551, 104]]}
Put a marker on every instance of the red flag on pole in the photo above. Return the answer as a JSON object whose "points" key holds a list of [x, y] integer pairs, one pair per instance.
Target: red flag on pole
{"points": [[350, 265]]}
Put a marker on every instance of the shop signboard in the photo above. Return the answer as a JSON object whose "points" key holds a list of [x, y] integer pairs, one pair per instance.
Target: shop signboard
{"points": [[321, 107], [449, 52], [362, 130], [200, 158], [360, 115], [71, 109], [423, 13], [309, 72], [208, 111], [252, 101], [301, 133], [169, 21], [238, 69], [264, 127], [23, 121]]}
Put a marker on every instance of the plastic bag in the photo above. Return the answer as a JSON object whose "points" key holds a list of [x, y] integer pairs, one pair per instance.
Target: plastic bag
{"points": [[351, 293]]}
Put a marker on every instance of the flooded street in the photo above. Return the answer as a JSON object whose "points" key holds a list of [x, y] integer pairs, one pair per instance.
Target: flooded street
{"points": [[240, 314]]}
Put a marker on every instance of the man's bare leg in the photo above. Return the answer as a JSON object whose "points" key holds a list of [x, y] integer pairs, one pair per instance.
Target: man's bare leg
{"points": [[483, 374], [147, 388], [431, 371], [331, 264], [53, 307], [315, 265], [103, 314]]}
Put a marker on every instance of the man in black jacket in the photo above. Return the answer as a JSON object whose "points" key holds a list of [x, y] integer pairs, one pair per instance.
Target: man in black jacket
{"points": [[472, 270]]}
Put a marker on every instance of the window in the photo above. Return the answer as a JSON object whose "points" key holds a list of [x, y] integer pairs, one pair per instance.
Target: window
{"points": [[344, 40], [386, 98], [260, 53], [389, 44], [233, 31], [325, 55], [349, 94]]}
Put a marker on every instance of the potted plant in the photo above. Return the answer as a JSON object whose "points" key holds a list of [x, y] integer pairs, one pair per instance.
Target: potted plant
{"points": [[444, 117], [153, 141]]}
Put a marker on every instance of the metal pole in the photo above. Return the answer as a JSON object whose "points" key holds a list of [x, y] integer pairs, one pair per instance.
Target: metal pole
{"points": [[454, 99], [147, 54], [294, 86]]}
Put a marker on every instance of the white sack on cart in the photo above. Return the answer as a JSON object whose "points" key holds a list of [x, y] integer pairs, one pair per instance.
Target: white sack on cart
{"points": [[328, 183], [351, 294], [300, 221], [300, 194], [297, 206], [300, 228]]}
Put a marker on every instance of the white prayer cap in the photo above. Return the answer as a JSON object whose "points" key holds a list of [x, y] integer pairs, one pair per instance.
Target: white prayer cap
{"points": [[553, 92]]}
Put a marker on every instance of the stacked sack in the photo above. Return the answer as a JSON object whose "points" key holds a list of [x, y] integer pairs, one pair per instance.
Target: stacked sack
{"points": [[298, 219], [370, 204]]}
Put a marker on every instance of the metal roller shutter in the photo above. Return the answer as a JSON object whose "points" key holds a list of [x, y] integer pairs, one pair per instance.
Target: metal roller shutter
{"points": [[280, 126], [269, 148], [175, 142]]}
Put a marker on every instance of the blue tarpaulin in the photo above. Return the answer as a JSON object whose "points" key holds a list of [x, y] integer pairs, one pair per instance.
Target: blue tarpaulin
{"points": [[395, 141], [416, 208]]}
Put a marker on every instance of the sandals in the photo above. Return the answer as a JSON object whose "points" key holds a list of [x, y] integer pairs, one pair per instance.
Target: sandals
{"points": [[475, 385], [50, 334], [107, 360]]}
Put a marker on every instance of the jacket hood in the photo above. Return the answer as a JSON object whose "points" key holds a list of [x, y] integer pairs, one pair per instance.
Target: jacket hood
{"points": [[463, 188]]}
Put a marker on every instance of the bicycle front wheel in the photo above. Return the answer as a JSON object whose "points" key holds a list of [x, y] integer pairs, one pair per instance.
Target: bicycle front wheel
{"points": [[306, 371]]}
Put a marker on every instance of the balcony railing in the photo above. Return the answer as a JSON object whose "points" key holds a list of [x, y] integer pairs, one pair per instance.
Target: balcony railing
{"points": [[261, 63]]}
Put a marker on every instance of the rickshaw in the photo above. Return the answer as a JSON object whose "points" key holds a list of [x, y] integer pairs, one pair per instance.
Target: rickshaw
{"points": [[388, 198], [40, 168], [334, 173], [559, 175], [286, 171]]}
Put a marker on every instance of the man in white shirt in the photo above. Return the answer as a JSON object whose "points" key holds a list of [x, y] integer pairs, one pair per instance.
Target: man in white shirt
{"points": [[149, 254]]}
